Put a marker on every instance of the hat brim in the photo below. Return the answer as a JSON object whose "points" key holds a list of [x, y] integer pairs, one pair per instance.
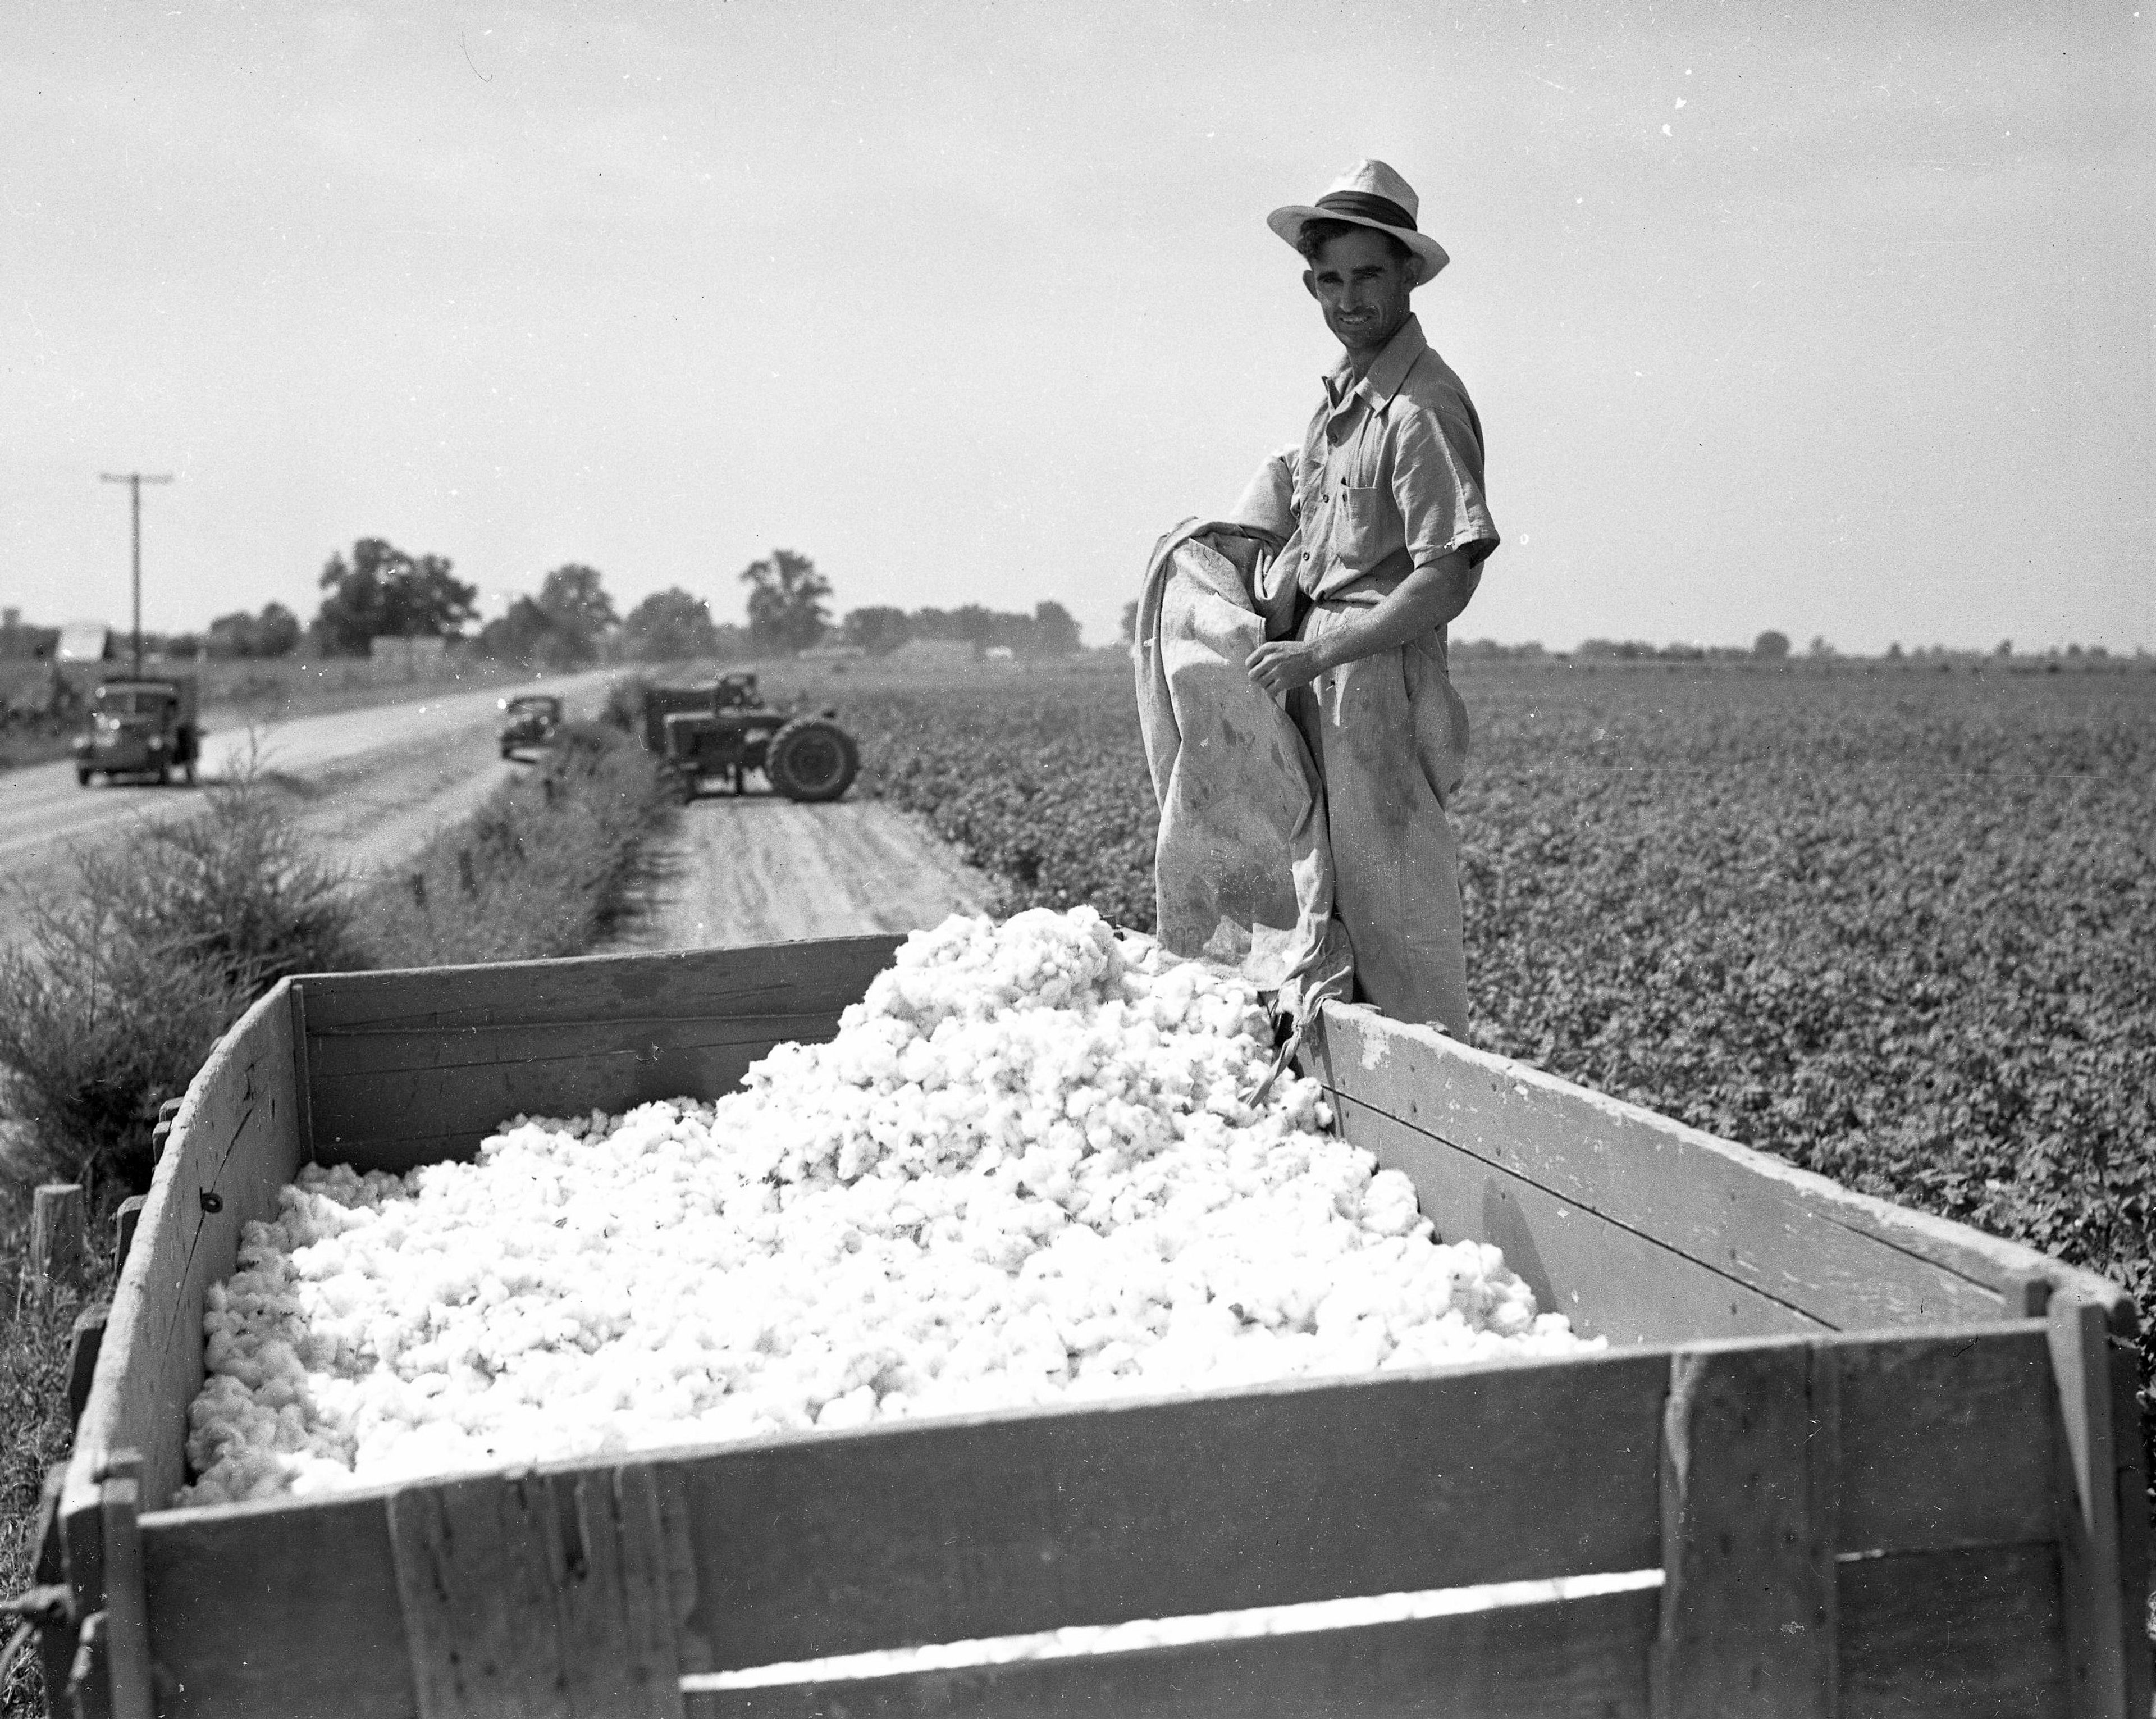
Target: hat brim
{"points": [[1288, 223]]}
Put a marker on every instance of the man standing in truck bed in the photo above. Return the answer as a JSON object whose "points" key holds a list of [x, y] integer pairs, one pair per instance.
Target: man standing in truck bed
{"points": [[1386, 530]]}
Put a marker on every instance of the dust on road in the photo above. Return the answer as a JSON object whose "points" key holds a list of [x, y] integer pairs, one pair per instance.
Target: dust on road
{"points": [[760, 869]]}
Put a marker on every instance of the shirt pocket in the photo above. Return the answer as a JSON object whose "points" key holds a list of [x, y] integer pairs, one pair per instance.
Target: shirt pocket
{"points": [[1364, 530]]}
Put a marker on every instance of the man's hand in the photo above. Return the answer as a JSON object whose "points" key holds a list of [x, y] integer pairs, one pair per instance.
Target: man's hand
{"points": [[1283, 665]]}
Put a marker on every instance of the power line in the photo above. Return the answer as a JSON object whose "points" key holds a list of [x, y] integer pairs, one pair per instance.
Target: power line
{"points": [[134, 481]]}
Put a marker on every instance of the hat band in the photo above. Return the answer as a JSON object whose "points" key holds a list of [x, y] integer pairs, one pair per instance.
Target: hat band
{"points": [[1369, 207]]}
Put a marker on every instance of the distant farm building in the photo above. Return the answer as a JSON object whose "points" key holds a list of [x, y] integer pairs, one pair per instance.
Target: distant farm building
{"points": [[22, 644], [937, 653], [1000, 653], [85, 641]]}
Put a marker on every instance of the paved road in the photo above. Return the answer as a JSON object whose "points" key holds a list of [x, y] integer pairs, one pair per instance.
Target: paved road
{"points": [[372, 784]]}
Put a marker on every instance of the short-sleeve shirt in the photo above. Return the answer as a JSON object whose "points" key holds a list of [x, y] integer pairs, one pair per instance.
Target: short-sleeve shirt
{"points": [[1389, 475]]}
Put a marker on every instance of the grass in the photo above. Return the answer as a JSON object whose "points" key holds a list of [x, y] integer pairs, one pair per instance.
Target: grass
{"points": [[542, 869], [34, 1337]]}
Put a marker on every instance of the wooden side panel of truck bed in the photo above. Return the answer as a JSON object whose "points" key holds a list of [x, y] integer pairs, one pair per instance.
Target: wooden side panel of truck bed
{"points": [[1839, 1459]]}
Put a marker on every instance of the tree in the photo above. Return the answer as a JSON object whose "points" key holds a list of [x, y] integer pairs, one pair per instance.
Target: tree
{"points": [[1819, 647], [786, 606], [578, 611], [1771, 646], [876, 631], [382, 592], [276, 631], [526, 634], [669, 627], [574, 596], [273, 633], [1055, 633]]}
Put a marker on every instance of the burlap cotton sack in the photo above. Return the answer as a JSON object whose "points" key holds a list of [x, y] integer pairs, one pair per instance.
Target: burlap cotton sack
{"points": [[1243, 869]]}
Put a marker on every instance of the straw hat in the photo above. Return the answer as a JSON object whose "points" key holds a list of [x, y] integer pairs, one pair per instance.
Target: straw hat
{"points": [[1369, 194]]}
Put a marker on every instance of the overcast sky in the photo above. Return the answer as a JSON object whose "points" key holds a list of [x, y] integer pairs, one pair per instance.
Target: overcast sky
{"points": [[1832, 317]]}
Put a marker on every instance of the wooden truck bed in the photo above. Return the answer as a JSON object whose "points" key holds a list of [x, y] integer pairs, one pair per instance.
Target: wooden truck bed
{"points": [[1841, 1459]]}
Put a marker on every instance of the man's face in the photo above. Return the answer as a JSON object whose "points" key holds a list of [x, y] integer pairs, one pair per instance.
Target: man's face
{"points": [[1361, 285]]}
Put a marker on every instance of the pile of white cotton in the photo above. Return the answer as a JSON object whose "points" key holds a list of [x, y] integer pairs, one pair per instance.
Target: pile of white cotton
{"points": [[1022, 1172]]}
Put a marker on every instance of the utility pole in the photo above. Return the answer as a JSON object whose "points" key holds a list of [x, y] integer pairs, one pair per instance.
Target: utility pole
{"points": [[134, 481]]}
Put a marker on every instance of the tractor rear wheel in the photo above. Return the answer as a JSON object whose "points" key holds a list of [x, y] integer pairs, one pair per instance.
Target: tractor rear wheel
{"points": [[812, 758]]}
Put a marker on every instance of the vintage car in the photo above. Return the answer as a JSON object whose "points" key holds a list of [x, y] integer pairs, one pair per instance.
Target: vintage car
{"points": [[528, 722], [140, 727]]}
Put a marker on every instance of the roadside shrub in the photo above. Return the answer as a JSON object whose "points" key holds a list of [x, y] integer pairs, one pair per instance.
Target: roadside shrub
{"points": [[109, 1004], [624, 703], [542, 869], [237, 890]]}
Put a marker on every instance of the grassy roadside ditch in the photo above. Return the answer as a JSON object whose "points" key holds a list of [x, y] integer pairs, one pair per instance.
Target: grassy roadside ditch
{"points": [[125, 982]]}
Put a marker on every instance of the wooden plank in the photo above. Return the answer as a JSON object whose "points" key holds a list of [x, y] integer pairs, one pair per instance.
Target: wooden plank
{"points": [[261, 1611], [619, 1616], [817, 977], [407, 1066], [1945, 1439], [126, 1605], [1578, 1659], [2088, 1514], [234, 1146], [2130, 1499], [1002, 1525], [992, 1524], [1855, 1261], [345, 1055], [394, 1121], [816, 1544], [125, 1218], [303, 1083], [1611, 1281], [83, 1342], [478, 1562], [56, 1645], [1975, 1634], [1749, 1458], [59, 1226], [90, 1679]]}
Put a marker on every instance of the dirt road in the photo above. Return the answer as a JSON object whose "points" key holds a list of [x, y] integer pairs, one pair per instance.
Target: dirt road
{"points": [[370, 786], [764, 870]]}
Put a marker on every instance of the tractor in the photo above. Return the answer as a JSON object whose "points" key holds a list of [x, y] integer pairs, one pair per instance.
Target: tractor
{"points": [[726, 730]]}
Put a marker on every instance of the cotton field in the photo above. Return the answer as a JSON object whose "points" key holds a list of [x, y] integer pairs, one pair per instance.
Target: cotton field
{"points": [[1025, 1172]]}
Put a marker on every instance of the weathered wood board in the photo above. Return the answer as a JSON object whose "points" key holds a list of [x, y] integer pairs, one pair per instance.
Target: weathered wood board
{"points": [[234, 1145], [410, 1068], [1835, 1257], [1931, 1512]]}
